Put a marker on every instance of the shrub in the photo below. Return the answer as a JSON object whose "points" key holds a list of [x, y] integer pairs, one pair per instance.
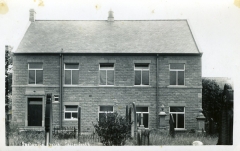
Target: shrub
{"points": [[113, 130]]}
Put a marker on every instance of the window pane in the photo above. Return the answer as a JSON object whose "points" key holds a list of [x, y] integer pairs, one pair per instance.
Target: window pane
{"points": [[71, 108], [102, 116], [110, 77], [39, 76], [180, 121], [35, 65], [74, 115], [142, 109], [137, 77], [56, 97], [71, 66], [180, 77], [138, 119], [174, 117], [67, 76], [102, 77], [67, 115], [106, 66], [176, 109], [31, 77], [145, 77], [145, 120], [177, 66], [106, 108], [75, 76], [141, 66], [172, 77]]}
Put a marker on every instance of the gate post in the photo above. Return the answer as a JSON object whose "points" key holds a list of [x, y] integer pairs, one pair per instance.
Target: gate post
{"points": [[79, 123], [135, 120], [48, 119]]}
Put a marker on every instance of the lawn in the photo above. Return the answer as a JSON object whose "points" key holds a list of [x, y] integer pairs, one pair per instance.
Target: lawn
{"points": [[156, 138]]}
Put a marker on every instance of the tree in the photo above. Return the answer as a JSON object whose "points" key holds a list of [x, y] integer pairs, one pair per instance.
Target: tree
{"points": [[113, 130], [8, 87], [211, 103], [8, 75]]}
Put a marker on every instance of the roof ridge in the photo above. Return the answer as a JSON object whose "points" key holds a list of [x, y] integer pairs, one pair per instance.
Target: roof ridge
{"points": [[122, 20]]}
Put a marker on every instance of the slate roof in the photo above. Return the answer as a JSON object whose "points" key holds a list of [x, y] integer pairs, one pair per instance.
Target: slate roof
{"points": [[143, 36]]}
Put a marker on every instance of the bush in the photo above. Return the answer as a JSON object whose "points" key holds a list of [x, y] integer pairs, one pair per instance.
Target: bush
{"points": [[113, 130]]}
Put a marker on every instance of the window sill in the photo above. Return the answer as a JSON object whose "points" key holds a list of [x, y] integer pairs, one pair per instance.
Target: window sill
{"points": [[183, 87], [70, 119], [141, 85], [177, 86], [180, 129]]}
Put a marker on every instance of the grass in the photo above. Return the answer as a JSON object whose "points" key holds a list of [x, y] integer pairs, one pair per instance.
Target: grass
{"points": [[36, 138], [163, 138]]}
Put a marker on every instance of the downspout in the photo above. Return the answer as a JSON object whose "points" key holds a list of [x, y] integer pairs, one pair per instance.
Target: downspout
{"points": [[157, 104], [60, 87]]}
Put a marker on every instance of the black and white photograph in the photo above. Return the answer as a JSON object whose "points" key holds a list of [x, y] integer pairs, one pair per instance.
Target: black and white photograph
{"points": [[158, 74]]}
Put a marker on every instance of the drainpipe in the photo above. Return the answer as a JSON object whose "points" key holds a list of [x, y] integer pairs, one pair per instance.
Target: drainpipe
{"points": [[157, 104], [60, 87]]}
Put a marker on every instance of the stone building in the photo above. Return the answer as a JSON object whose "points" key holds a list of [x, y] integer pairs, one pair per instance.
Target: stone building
{"points": [[104, 65]]}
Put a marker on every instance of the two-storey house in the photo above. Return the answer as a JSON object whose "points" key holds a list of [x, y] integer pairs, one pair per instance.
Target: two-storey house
{"points": [[104, 65]]}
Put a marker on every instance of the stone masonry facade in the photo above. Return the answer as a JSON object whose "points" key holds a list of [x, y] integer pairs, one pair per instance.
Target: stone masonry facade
{"points": [[89, 95]]}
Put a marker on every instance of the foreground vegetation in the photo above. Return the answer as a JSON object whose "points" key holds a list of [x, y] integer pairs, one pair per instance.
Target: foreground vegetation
{"points": [[156, 138], [163, 138]]}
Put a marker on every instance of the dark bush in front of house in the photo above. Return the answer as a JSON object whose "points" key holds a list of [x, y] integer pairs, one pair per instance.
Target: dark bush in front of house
{"points": [[113, 129]]}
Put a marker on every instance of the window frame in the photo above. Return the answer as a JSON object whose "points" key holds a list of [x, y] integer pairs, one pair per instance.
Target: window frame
{"points": [[71, 74], [104, 111], [35, 70], [177, 70], [141, 73], [176, 122], [56, 96], [143, 113], [72, 119], [113, 69]]}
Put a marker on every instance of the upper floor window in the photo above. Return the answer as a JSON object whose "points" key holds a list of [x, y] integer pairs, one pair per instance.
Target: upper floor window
{"points": [[106, 73], [177, 73], [35, 71], [71, 73], [141, 74]]}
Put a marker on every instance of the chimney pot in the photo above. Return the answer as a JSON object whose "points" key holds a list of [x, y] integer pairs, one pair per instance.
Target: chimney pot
{"points": [[110, 16], [32, 15]]}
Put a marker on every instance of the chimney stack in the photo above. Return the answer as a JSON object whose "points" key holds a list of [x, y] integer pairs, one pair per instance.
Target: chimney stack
{"points": [[32, 15], [110, 15]]}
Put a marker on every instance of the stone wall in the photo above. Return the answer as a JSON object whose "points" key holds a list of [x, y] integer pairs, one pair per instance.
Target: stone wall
{"points": [[89, 95]]}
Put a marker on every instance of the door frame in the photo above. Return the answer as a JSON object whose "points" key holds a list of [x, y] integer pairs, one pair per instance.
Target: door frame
{"points": [[26, 109]]}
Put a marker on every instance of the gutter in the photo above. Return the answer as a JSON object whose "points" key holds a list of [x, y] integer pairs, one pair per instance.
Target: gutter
{"points": [[157, 104], [60, 88]]}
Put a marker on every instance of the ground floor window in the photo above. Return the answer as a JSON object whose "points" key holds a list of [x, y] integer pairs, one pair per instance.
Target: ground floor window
{"points": [[71, 112], [178, 116], [103, 111], [142, 116], [35, 112]]}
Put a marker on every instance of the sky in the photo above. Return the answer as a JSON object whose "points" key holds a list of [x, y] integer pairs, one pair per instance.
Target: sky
{"points": [[215, 24]]}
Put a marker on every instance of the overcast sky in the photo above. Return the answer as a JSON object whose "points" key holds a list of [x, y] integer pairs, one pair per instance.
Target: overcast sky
{"points": [[215, 24]]}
